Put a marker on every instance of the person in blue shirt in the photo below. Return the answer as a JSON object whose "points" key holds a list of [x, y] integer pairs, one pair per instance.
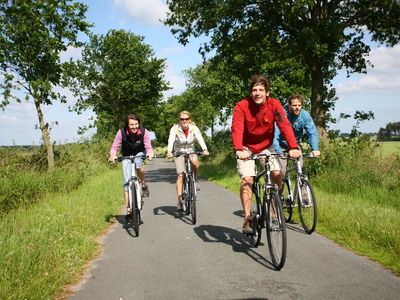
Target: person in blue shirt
{"points": [[302, 124]]}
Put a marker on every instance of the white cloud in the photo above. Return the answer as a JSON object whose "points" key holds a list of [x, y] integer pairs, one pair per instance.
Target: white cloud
{"points": [[176, 82], [72, 52], [383, 77], [144, 11]]}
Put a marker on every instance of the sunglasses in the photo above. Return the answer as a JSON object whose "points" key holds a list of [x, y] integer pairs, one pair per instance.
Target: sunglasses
{"points": [[184, 119]]}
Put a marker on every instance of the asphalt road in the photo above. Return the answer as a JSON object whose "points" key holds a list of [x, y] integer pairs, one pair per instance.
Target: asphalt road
{"points": [[173, 259]]}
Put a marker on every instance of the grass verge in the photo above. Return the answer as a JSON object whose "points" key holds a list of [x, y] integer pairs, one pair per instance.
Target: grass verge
{"points": [[48, 244]]}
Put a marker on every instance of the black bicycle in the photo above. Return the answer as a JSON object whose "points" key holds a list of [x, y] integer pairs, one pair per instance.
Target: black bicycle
{"points": [[189, 192], [135, 201], [266, 212], [302, 198]]}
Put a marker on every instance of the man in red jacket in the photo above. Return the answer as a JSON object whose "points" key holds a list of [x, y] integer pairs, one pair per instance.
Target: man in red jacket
{"points": [[253, 132]]}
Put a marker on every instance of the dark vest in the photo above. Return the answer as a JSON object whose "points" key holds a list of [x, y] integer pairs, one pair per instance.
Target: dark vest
{"points": [[132, 145]]}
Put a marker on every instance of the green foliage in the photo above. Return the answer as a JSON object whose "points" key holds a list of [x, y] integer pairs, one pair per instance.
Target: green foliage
{"points": [[300, 44], [32, 36], [45, 247], [24, 179], [390, 133], [119, 76]]}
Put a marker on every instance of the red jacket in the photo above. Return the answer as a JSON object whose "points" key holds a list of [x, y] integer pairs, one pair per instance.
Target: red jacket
{"points": [[253, 125]]}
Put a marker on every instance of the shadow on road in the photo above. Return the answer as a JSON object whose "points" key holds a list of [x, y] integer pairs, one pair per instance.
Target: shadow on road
{"points": [[161, 175], [233, 238], [289, 225], [121, 219], [171, 210]]}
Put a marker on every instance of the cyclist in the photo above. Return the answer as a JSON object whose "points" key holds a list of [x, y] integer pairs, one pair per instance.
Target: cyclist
{"points": [[182, 137], [133, 140], [303, 125], [252, 131]]}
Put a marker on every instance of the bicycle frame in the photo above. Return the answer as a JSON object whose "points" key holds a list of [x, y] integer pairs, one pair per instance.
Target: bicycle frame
{"points": [[269, 214], [301, 197], [189, 191], [135, 200]]}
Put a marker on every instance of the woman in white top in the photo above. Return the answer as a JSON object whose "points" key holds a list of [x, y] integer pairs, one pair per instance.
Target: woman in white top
{"points": [[182, 137]]}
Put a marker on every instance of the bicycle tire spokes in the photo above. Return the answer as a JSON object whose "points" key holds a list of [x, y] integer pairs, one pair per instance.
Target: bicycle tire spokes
{"points": [[276, 231], [135, 211], [287, 200], [307, 206]]}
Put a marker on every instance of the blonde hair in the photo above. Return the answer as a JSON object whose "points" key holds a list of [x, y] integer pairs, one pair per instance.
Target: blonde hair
{"points": [[185, 112]]}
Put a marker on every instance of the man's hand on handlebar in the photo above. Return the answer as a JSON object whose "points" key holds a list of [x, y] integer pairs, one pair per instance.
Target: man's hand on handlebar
{"points": [[294, 153], [243, 154], [315, 153]]}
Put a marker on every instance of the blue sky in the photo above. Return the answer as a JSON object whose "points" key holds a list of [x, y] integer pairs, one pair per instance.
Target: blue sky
{"points": [[378, 90]]}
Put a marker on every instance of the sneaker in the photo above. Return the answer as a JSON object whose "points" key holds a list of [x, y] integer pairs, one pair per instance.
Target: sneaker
{"points": [[179, 206], [305, 200], [197, 185], [145, 190], [247, 228]]}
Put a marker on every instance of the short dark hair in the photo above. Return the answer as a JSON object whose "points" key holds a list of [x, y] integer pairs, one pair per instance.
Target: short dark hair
{"points": [[131, 117], [300, 97], [260, 79]]}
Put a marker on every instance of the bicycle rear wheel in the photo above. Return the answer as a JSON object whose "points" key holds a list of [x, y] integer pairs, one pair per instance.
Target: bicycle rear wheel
{"points": [[135, 211], [276, 230], [287, 200], [307, 206]]}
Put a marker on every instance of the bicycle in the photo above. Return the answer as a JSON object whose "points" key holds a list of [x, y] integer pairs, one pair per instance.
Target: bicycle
{"points": [[135, 199], [189, 192], [303, 198], [266, 212]]}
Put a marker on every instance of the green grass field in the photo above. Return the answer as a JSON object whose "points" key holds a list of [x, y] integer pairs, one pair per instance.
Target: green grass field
{"points": [[388, 148]]}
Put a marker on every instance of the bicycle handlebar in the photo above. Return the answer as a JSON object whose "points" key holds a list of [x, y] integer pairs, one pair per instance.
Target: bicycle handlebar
{"points": [[131, 157], [254, 156], [177, 154]]}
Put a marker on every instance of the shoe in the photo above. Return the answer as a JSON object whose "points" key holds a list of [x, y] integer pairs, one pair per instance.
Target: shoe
{"points": [[179, 206], [305, 200], [145, 191], [247, 226], [197, 185]]}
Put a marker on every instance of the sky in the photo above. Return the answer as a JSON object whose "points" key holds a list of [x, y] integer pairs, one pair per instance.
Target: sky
{"points": [[376, 91]]}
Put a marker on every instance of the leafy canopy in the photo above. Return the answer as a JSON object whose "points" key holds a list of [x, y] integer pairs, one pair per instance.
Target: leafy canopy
{"points": [[118, 75]]}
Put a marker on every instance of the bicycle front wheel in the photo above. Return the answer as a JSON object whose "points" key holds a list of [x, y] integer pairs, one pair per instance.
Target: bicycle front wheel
{"points": [[307, 205], [135, 211], [256, 214], [276, 230], [287, 200], [192, 201]]}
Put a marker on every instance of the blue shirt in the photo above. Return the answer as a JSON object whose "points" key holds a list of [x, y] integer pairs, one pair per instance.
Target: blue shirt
{"points": [[302, 124]]}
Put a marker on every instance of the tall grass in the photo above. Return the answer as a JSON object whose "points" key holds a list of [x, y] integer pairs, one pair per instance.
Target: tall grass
{"points": [[45, 246], [357, 192], [24, 178]]}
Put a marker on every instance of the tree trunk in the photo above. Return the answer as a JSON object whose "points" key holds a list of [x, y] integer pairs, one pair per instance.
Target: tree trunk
{"points": [[44, 127], [318, 110]]}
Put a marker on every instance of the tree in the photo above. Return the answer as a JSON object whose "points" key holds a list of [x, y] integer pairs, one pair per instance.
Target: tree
{"points": [[118, 75], [32, 36], [323, 36], [212, 91], [390, 133]]}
